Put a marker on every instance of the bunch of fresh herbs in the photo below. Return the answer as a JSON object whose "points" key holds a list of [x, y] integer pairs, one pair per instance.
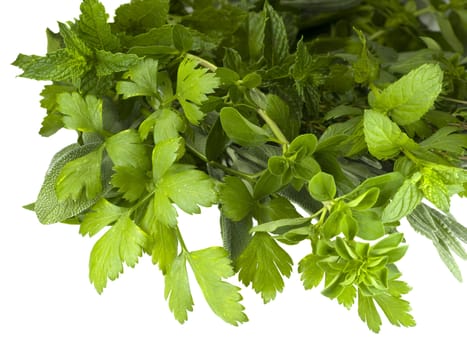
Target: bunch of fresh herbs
{"points": [[354, 111]]}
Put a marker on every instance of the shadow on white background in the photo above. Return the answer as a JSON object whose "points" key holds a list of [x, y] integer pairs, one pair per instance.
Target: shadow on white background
{"points": [[47, 302]]}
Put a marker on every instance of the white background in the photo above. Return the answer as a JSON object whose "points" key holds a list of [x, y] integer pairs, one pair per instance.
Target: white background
{"points": [[47, 302]]}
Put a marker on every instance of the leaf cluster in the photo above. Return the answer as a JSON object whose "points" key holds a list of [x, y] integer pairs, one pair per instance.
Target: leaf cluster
{"points": [[353, 111]]}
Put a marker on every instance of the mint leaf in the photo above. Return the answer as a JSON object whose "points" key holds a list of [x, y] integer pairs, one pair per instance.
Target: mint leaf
{"points": [[263, 263], [383, 137], [447, 139], [93, 26], [60, 65], [122, 243], [406, 199], [276, 44], [141, 15], [108, 62], [177, 289], [81, 113], [409, 98], [211, 266], [102, 214], [143, 80], [235, 198], [81, 176]]}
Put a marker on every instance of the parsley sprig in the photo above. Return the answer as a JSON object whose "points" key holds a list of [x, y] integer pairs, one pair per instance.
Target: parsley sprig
{"points": [[354, 111]]}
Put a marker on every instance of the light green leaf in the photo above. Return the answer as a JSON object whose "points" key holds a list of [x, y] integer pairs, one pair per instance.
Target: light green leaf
{"points": [[81, 113], [235, 198], [192, 112], [241, 130], [368, 313], [263, 263], [370, 226], [165, 154], [447, 139], [194, 83], [81, 175], [143, 80], [409, 98], [177, 289], [102, 214], [131, 182], [406, 199], [165, 243], [312, 274], [210, 267], [122, 243], [49, 209], [383, 137], [395, 309], [93, 26], [163, 123], [322, 187], [126, 150], [163, 210], [189, 188], [281, 224]]}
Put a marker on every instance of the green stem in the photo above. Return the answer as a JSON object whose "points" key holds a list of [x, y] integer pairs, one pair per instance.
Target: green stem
{"points": [[273, 126], [462, 102], [205, 63], [226, 169], [180, 239]]}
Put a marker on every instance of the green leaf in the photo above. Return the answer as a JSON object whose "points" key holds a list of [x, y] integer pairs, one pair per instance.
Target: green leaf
{"points": [[370, 226], [235, 198], [139, 16], [210, 267], [182, 38], [409, 98], [366, 67], [60, 65], [81, 176], [434, 188], [164, 241], [440, 230], [256, 34], [263, 263], [395, 309], [93, 27], [143, 80], [383, 137], [108, 62], [447, 139], [177, 289], [193, 85], [165, 154], [448, 32], [192, 112], [122, 243], [189, 188], [235, 235], [49, 209], [312, 274], [81, 113], [126, 150], [322, 187], [276, 44], [240, 129], [130, 181], [405, 200], [366, 200], [163, 210], [102, 214], [164, 124], [283, 224], [368, 313]]}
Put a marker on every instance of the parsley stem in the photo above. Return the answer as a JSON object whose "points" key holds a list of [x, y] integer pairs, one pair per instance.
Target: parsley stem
{"points": [[274, 128], [462, 102]]}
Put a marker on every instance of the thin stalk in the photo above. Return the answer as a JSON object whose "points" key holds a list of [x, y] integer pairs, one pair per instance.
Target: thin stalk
{"points": [[273, 126]]}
